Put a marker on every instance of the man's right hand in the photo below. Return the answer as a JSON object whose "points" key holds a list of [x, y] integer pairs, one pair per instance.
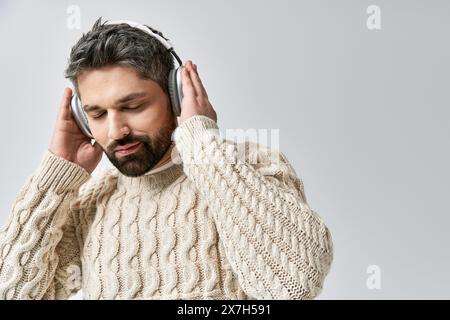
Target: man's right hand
{"points": [[69, 142]]}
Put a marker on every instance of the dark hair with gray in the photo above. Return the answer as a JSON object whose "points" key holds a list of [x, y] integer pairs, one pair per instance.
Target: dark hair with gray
{"points": [[120, 44]]}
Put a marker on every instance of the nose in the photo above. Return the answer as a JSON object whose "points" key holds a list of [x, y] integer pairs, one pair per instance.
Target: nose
{"points": [[117, 127]]}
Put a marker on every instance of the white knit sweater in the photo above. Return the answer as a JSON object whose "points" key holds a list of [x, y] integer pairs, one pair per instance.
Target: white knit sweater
{"points": [[219, 225]]}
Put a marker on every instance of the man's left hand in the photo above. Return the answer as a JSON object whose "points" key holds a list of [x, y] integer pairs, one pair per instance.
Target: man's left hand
{"points": [[195, 99]]}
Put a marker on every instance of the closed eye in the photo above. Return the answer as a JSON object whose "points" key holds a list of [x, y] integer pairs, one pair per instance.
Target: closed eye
{"points": [[127, 108]]}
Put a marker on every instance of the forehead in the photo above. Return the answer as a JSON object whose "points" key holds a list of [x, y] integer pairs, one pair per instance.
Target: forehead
{"points": [[108, 83]]}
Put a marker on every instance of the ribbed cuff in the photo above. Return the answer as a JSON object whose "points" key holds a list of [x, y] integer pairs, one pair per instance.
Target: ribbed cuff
{"points": [[59, 174], [195, 130]]}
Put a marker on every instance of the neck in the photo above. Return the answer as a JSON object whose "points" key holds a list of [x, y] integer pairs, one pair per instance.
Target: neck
{"points": [[166, 158]]}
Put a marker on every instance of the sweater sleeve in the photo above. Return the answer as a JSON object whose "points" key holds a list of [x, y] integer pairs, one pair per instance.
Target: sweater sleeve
{"points": [[39, 255], [276, 244]]}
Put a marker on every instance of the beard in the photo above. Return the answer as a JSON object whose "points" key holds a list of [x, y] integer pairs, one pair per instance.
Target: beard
{"points": [[148, 154]]}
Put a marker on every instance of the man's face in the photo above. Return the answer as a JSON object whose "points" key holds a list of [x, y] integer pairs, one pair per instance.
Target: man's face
{"points": [[148, 118]]}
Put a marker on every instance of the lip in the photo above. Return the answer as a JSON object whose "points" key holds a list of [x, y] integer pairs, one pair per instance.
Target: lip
{"points": [[125, 147], [130, 150]]}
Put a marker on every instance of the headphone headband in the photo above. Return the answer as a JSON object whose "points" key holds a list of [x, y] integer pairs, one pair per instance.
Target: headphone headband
{"points": [[165, 43]]}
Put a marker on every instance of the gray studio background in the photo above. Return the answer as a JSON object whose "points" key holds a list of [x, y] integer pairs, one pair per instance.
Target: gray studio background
{"points": [[363, 114]]}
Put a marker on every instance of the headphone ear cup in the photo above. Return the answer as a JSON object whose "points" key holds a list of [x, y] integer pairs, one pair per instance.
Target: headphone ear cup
{"points": [[176, 90], [79, 116]]}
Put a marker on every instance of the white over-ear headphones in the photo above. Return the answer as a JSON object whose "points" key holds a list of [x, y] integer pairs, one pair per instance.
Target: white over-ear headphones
{"points": [[175, 84]]}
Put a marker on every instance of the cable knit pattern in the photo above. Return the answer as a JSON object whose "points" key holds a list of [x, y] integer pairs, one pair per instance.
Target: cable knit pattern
{"points": [[218, 225]]}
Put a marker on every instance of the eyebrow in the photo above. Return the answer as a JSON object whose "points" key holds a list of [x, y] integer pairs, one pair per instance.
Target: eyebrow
{"points": [[122, 100]]}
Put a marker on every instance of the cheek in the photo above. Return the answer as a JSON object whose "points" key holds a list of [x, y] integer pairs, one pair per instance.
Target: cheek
{"points": [[154, 117], [97, 131]]}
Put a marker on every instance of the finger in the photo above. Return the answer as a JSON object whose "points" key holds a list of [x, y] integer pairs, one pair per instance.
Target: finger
{"points": [[187, 87], [64, 110], [198, 85]]}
